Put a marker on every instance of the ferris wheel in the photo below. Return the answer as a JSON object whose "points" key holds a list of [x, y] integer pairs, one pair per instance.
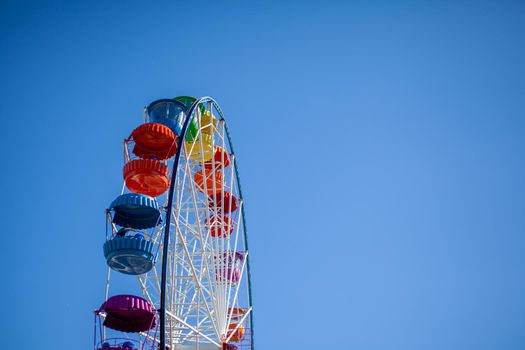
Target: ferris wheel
{"points": [[178, 228]]}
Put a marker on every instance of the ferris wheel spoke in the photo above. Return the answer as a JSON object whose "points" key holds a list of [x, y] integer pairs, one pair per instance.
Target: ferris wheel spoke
{"points": [[199, 324], [192, 256], [243, 318], [242, 269], [203, 241], [183, 294], [145, 291], [232, 249], [234, 300], [189, 289], [195, 330], [197, 281]]}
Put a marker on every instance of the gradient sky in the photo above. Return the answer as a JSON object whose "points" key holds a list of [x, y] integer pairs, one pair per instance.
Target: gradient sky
{"points": [[380, 145]]}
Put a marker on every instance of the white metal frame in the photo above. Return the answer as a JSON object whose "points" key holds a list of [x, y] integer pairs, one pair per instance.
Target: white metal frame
{"points": [[197, 302]]}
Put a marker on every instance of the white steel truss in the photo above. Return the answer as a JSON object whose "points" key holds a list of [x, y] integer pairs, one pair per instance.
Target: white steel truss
{"points": [[200, 302]]}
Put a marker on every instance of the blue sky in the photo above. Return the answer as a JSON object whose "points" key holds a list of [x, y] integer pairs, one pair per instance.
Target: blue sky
{"points": [[380, 146]]}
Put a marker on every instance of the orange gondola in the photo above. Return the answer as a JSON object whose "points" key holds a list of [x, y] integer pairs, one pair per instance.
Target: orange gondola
{"points": [[213, 181], [154, 140], [236, 335], [146, 176], [221, 159], [236, 312]]}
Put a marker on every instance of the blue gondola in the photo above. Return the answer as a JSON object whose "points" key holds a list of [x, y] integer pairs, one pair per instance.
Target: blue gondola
{"points": [[168, 112], [131, 255], [137, 211]]}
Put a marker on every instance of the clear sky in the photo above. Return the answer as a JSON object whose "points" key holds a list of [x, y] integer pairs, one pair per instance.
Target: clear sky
{"points": [[380, 145]]}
